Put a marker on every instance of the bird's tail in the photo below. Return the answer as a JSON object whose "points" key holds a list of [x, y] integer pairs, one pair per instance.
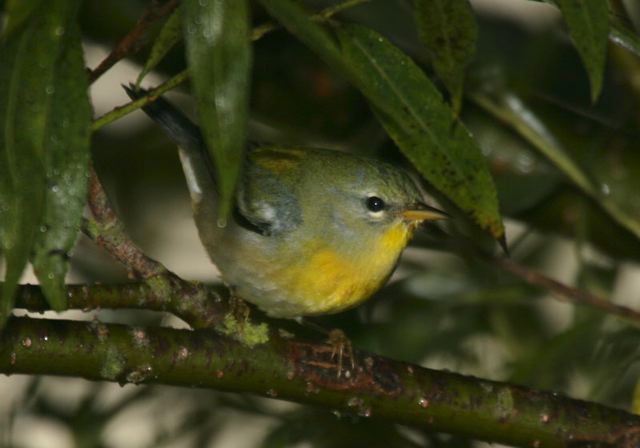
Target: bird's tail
{"points": [[196, 163], [177, 126]]}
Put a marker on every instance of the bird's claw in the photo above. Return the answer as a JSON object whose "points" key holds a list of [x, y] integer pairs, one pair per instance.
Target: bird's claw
{"points": [[341, 346], [239, 309]]}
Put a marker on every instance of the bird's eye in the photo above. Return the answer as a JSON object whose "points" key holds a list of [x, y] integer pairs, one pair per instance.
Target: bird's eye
{"points": [[375, 204]]}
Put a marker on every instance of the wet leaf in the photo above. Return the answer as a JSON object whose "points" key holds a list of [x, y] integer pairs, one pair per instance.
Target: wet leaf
{"points": [[523, 179], [410, 108], [67, 162], [27, 75], [588, 23], [170, 34], [619, 33], [624, 37], [21, 175], [449, 31], [219, 56], [414, 114], [515, 113], [17, 11]]}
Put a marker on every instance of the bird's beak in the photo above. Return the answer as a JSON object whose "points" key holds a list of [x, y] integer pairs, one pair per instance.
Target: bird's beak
{"points": [[423, 212]]}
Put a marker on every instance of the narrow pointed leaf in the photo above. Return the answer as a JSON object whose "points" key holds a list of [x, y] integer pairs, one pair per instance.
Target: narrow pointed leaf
{"points": [[415, 115], [295, 19], [29, 58], [17, 12], [588, 23], [449, 30], [410, 108], [170, 34], [515, 113], [624, 37], [67, 162], [21, 176], [219, 55], [619, 33]]}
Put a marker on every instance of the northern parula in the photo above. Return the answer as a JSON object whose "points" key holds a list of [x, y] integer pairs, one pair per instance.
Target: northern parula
{"points": [[313, 231]]}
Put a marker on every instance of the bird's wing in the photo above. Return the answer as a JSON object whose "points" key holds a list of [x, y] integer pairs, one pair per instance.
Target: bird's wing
{"points": [[266, 200], [267, 194]]}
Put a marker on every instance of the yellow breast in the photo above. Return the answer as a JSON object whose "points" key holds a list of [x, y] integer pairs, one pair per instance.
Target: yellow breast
{"points": [[331, 280]]}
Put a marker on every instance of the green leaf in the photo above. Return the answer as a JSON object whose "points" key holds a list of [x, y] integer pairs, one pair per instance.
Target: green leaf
{"points": [[588, 22], [170, 34], [619, 33], [21, 174], [414, 114], [17, 12], [294, 18], [449, 31], [624, 37], [219, 55], [410, 108], [515, 113], [26, 95], [67, 163]]}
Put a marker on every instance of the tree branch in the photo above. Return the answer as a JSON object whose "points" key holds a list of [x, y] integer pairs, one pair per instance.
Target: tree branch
{"points": [[197, 305], [305, 373], [162, 290]]}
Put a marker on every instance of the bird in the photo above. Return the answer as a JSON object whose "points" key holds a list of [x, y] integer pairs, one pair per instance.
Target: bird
{"points": [[312, 231]]}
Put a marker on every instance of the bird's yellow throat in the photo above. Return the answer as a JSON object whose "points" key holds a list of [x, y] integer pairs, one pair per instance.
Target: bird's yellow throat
{"points": [[332, 281]]}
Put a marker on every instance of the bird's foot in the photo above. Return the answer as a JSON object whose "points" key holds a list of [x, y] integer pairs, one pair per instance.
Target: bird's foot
{"points": [[239, 309], [341, 347]]}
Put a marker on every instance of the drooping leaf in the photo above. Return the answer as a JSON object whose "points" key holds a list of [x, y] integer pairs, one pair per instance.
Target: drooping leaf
{"points": [[414, 114], [449, 31], [170, 34], [524, 180], [515, 113], [27, 78], [21, 177], [619, 33], [17, 11], [67, 162], [219, 55], [410, 108], [588, 23], [624, 37]]}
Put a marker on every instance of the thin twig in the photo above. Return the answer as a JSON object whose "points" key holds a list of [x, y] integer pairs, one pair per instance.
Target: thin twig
{"points": [[134, 40], [196, 304], [151, 96], [109, 233], [566, 292], [465, 247]]}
